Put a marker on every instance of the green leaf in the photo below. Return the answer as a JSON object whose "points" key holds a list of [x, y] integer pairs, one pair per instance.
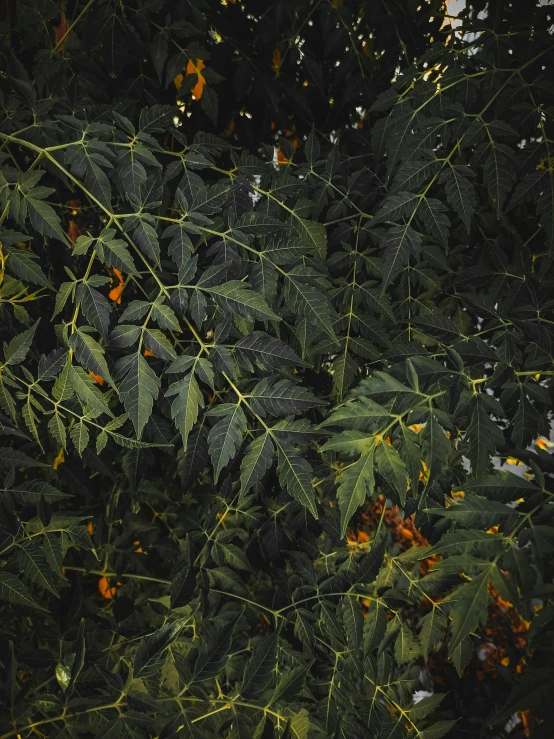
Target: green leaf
{"points": [[157, 343], [18, 348], [24, 265], [462, 542], [260, 666], [138, 389], [438, 729], [114, 252], [164, 316], [150, 656], [436, 326], [183, 585], [476, 512], [484, 436], [406, 648], [90, 354], [424, 707], [399, 244], [362, 414], [65, 290], [470, 609], [95, 307], [80, 437], [353, 620], [44, 218], [375, 626], [295, 474], [356, 483], [34, 566], [499, 174], [186, 406], [396, 206], [281, 398], [256, 462], [504, 485], [13, 590], [392, 468], [226, 436], [146, 239], [434, 219], [14, 458], [460, 192], [290, 684], [432, 628], [235, 297], [310, 303], [312, 233], [436, 448], [213, 651], [87, 391], [266, 352], [345, 370]]}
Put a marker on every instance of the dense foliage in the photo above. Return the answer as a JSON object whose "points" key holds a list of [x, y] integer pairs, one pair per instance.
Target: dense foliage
{"points": [[266, 275]]}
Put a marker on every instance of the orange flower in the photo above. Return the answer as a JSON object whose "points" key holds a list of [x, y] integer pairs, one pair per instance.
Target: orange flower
{"points": [[73, 232], [543, 443], [524, 716], [75, 206], [178, 81], [417, 427], [97, 378], [90, 528], [147, 353], [105, 590], [424, 475], [276, 61], [196, 68], [115, 292], [60, 459], [62, 29], [229, 131], [281, 158]]}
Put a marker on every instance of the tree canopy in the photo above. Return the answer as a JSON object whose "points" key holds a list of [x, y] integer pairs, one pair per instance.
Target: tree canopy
{"points": [[276, 377]]}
